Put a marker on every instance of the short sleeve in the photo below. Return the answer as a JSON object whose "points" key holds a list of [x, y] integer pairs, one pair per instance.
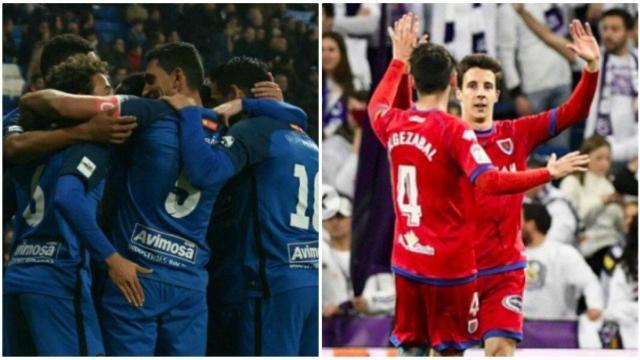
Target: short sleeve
{"points": [[87, 161], [466, 150], [146, 111]]}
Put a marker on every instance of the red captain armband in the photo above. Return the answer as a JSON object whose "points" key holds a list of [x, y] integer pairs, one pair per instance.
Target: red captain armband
{"points": [[108, 103]]}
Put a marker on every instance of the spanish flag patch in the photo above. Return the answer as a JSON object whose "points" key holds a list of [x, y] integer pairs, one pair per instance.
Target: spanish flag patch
{"points": [[210, 124]]}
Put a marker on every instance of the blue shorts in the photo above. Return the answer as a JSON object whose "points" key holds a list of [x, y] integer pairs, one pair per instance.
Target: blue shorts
{"points": [[45, 325], [284, 324], [172, 322]]}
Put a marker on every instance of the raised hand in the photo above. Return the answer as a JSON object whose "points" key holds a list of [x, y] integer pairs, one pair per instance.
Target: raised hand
{"points": [[567, 164], [404, 37], [584, 45]]}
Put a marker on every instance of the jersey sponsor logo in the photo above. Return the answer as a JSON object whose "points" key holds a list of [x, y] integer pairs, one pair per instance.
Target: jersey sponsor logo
{"points": [[411, 242], [164, 244], [479, 155], [513, 303], [412, 139], [227, 140], [417, 119], [506, 145], [86, 167], [15, 129], [303, 253], [469, 135], [30, 252]]}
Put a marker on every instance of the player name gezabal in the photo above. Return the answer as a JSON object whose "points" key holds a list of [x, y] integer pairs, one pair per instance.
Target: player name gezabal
{"points": [[412, 139]]}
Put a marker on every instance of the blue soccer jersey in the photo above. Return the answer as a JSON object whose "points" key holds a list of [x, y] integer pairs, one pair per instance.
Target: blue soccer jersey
{"points": [[280, 163], [48, 254]]}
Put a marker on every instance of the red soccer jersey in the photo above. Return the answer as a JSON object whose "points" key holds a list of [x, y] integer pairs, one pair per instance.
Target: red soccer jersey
{"points": [[498, 238], [509, 143], [434, 158]]}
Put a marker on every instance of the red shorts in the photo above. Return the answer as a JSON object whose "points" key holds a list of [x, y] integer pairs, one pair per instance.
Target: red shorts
{"points": [[443, 317], [501, 304]]}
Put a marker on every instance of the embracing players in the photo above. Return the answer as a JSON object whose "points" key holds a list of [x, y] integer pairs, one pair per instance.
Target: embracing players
{"points": [[435, 161]]}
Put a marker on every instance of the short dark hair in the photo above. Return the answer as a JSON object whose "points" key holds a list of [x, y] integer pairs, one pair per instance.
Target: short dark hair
{"points": [[242, 72], [623, 14], [539, 214], [180, 55], [482, 61], [133, 84], [431, 67], [74, 74], [59, 48]]}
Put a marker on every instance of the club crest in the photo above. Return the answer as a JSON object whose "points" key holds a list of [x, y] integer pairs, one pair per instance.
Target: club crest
{"points": [[506, 145]]}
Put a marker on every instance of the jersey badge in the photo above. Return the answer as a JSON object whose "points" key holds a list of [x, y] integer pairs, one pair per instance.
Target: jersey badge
{"points": [[506, 145], [86, 167]]}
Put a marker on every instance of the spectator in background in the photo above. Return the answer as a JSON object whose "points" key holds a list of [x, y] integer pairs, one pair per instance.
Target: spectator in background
{"points": [[9, 49], [117, 56], [622, 306], [336, 252], [536, 76], [136, 12], [465, 28], [135, 57], [119, 74], [378, 296], [565, 221], [136, 34], [556, 273], [357, 23], [596, 201], [626, 179], [614, 111]]}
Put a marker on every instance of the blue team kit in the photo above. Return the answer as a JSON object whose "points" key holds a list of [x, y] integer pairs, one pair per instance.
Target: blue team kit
{"points": [[162, 186]]}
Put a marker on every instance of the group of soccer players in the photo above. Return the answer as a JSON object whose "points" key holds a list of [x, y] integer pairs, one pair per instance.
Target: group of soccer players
{"points": [[458, 184], [111, 241]]}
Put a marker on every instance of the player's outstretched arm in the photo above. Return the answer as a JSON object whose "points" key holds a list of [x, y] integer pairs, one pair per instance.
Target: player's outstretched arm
{"points": [[59, 104], [33, 145], [502, 182], [404, 40], [262, 107], [72, 201]]}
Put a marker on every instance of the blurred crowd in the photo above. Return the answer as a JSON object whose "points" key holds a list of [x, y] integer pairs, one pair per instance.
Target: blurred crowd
{"points": [[581, 233], [284, 36]]}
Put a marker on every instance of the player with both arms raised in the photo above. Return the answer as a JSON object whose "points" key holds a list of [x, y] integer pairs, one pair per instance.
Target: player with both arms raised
{"points": [[435, 160]]}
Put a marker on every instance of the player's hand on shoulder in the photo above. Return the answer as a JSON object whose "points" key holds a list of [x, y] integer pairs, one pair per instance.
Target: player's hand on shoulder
{"points": [[228, 110], [570, 163], [105, 128], [124, 274], [179, 101], [267, 90], [404, 37], [584, 44]]}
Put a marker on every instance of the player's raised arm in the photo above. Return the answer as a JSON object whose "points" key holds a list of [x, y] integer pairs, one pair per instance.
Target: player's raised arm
{"points": [[263, 107], [404, 40], [577, 107]]}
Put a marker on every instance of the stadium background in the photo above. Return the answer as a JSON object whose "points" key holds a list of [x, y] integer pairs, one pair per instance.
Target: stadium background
{"points": [[285, 36], [357, 318]]}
